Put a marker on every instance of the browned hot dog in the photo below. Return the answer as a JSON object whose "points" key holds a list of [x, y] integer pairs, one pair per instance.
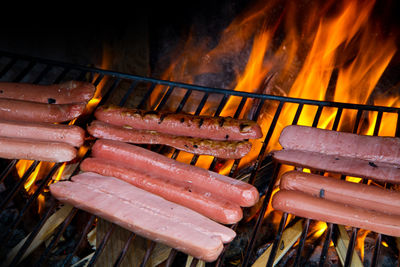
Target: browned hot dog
{"points": [[207, 127], [21, 110], [216, 148], [30, 149], [180, 192], [341, 191], [337, 164], [70, 134], [63, 93], [370, 148], [307, 206], [145, 214], [139, 158]]}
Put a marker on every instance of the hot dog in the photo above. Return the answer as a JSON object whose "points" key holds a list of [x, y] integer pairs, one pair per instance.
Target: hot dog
{"points": [[180, 192], [139, 158], [21, 110], [145, 214], [207, 127], [382, 172], [307, 206], [370, 148], [70, 134], [341, 191], [63, 93], [30, 149], [219, 149]]}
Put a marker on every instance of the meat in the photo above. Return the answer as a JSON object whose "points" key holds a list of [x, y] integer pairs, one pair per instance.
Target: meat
{"points": [[341, 191], [63, 93], [304, 205], [370, 148], [220, 149], [145, 214], [337, 164], [21, 110], [139, 158], [207, 127], [30, 149], [180, 192], [70, 134]]}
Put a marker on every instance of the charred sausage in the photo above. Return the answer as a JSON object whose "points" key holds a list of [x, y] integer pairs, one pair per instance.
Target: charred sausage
{"points": [[180, 192], [70, 134], [139, 158], [38, 112], [63, 93], [354, 194], [207, 127], [145, 214], [304, 205], [22, 148], [216, 148], [382, 172], [370, 148]]}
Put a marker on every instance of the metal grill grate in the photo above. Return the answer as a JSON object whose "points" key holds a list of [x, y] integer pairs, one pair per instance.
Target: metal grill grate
{"points": [[140, 92]]}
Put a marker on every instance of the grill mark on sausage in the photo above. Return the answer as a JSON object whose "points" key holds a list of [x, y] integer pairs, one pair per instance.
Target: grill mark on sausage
{"points": [[162, 117], [322, 193], [51, 100], [372, 164], [182, 120], [221, 122], [201, 121]]}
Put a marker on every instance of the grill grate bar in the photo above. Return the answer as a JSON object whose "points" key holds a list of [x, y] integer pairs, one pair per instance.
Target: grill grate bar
{"points": [[18, 186], [112, 81], [303, 237]]}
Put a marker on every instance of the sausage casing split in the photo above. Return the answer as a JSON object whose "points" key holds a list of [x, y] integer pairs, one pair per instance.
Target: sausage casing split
{"points": [[21, 110], [207, 127], [70, 134], [382, 172], [22, 148], [304, 205], [355, 194], [63, 93], [140, 158], [217, 148], [370, 148], [183, 193], [145, 214]]}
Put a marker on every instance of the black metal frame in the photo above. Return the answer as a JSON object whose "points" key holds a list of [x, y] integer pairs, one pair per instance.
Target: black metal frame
{"points": [[96, 76]]}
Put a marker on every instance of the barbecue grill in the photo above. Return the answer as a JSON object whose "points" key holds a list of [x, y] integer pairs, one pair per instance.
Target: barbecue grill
{"points": [[262, 172]]}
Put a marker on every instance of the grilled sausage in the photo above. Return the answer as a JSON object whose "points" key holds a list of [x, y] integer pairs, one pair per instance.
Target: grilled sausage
{"points": [[39, 112], [70, 134], [22, 148], [207, 127], [139, 158], [145, 214], [63, 93], [370, 148], [307, 206], [354, 194], [382, 172], [180, 192], [199, 146]]}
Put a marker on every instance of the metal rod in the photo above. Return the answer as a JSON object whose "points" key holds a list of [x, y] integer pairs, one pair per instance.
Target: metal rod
{"points": [[337, 119], [297, 115], [183, 101], [7, 170], [18, 185], [147, 254], [164, 99], [325, 247], [302, 241], [128, 93], [43, 258], [25, 71], [317, 116], [377, 249], [350, 248], [277, 240], [82, 238], [146, 96], [101, 246], [121, 256], [33, 234]]}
